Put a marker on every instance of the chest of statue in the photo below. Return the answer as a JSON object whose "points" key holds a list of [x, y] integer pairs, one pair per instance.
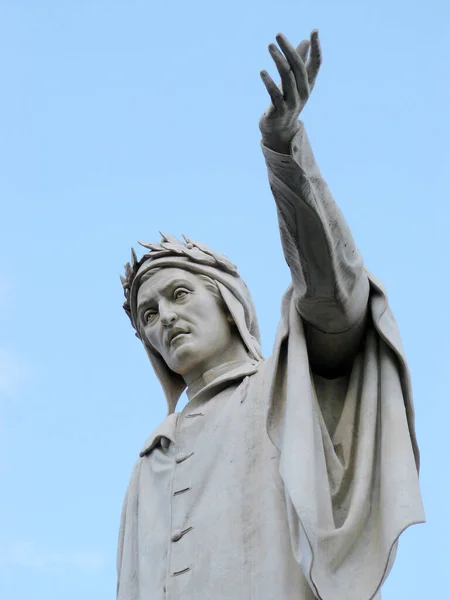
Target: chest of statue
{"points": [[209, 506]]}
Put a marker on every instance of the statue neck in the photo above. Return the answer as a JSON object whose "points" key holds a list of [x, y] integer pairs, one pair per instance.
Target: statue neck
{"points": [[208, 384], [234, 352]]}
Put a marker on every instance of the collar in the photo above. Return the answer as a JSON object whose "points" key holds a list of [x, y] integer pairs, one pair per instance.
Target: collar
{"points": [[220, 375]]}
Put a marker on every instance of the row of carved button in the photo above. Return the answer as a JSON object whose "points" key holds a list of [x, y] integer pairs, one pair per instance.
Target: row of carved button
{"points": [[177, 534]]}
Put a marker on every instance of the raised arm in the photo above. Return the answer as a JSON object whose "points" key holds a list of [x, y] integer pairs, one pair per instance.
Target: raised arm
{"points": [[330, 284]]}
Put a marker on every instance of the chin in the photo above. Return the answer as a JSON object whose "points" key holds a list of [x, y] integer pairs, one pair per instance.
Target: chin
{"points": [[185, 361]]}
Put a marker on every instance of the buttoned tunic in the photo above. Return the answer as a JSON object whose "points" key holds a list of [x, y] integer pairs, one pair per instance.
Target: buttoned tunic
{"points": [[212, 511], [274, 482]]}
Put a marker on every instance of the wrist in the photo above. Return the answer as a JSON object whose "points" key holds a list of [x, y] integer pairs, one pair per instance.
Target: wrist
{"points": [[280, 142], [276, 145]]}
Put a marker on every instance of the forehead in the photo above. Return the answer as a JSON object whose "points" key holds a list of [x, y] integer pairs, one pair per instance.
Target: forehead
{"points": [[161, 280]]}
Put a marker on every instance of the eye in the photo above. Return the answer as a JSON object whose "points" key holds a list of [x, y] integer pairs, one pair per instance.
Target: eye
{"points": [[180, 293], [149, 315]]}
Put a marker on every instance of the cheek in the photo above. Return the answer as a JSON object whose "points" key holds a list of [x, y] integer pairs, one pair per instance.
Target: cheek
{"points": [[217, 329], [153, 338]]}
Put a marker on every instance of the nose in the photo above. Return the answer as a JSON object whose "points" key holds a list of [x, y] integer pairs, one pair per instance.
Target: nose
{"points": [[167, 316]]}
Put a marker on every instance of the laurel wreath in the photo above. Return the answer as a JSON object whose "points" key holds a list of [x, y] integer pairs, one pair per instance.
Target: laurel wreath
{"points": [[171, 246]]}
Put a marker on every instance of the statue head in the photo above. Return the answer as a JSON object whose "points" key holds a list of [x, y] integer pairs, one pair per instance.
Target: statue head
{"points": [[190, 309]]}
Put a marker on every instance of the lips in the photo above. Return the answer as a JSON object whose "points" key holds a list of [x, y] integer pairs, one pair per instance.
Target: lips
{"points": [[174, 333]]}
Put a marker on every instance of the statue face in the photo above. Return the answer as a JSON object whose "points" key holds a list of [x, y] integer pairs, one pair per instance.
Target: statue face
{"points": [[184, 322]]}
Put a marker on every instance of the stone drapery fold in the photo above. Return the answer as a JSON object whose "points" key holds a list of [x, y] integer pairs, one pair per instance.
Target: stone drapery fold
{"points": [[351, 494]]}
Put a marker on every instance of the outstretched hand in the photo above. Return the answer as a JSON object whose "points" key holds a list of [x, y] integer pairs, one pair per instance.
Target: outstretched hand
{"points": [[298, 69]]}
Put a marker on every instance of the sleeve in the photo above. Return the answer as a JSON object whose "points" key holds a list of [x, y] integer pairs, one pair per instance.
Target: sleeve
{"points": [[120, 543], [330, 284]]}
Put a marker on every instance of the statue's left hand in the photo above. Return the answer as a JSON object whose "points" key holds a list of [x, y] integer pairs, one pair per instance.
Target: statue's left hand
{"points": [[298, 73]]}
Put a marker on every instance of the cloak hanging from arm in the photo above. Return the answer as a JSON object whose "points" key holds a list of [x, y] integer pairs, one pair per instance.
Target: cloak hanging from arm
{"points": [[351, 488]]}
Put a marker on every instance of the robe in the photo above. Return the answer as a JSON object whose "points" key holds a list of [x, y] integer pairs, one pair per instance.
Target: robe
{"points": [[278, 480]]}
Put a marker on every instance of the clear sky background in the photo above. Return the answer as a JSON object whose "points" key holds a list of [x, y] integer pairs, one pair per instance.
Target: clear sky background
{"points": [[122, 118]]}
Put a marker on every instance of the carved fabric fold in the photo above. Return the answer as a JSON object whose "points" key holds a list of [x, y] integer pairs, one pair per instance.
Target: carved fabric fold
{"points": [[351, 494]]}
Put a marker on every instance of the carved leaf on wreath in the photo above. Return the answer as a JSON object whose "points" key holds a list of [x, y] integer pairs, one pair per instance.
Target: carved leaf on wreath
{"points": [[221, 259], [127, 271], [176, 248], [198, 256], [150, 246], [170, 238], [134, 259]]}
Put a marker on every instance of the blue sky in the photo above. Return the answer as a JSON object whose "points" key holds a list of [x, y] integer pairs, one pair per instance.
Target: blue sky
{"points": [[120, 119]]}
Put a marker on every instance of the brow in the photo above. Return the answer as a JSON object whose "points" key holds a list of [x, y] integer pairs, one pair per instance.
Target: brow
{"points": [[164, 291]]}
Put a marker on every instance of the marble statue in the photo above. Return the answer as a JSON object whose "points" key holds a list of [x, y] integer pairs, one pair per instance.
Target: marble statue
{"points": [[291, 477]]}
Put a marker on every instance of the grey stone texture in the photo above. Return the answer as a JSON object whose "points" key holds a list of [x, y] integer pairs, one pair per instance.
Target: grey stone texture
{"points": [[291, 477]]}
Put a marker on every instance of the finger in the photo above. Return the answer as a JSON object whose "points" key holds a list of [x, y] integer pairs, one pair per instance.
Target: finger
{"points": [[315, 58], [296, 64], [287, 76], [303, 49], [275, 93]]}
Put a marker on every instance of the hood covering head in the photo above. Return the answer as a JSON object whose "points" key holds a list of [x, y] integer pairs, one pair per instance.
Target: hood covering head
{"points": [[196, 258]]}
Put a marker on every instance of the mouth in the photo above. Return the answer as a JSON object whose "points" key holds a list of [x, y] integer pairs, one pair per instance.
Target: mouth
{"points": [[175, 335]]}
